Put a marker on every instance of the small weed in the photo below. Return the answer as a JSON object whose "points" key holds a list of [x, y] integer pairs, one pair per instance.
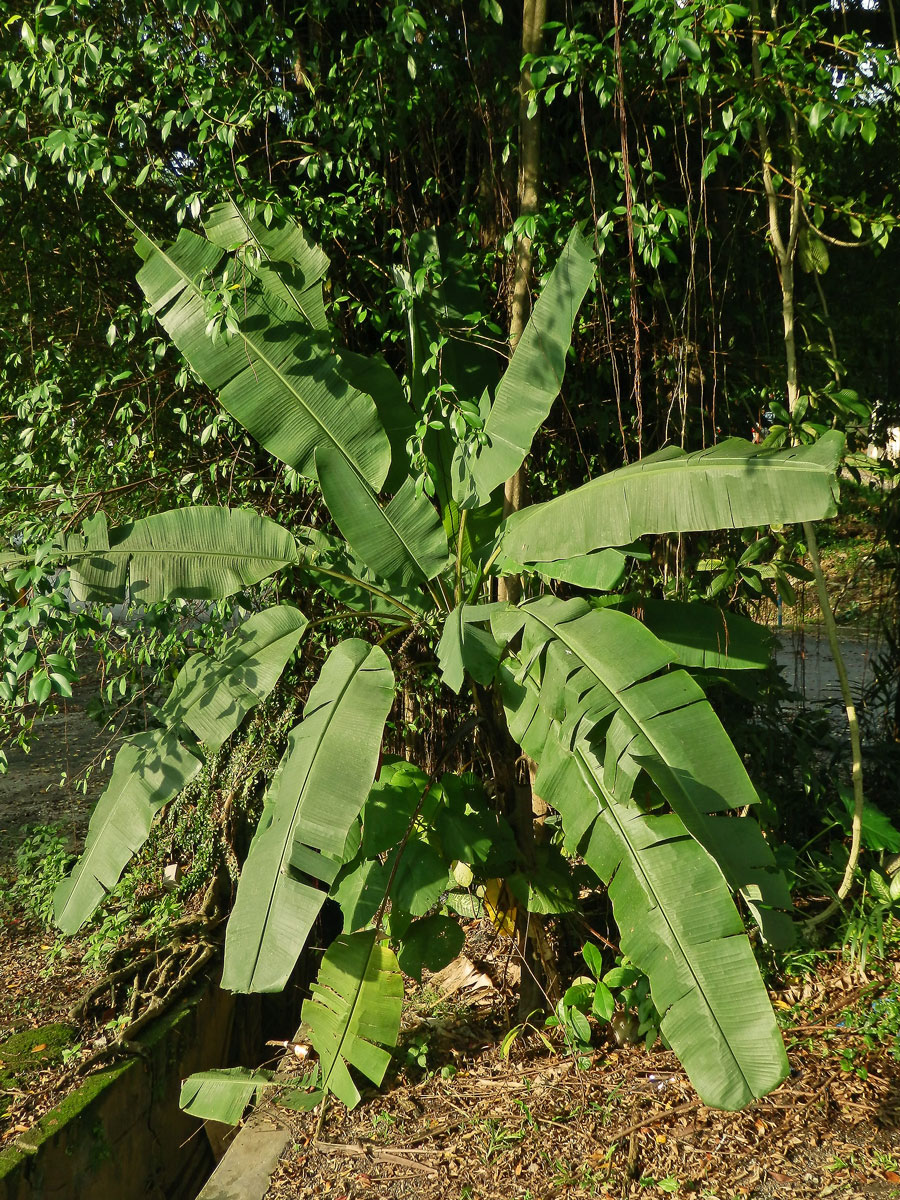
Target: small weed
{"points": [[382, 1124], [70, 1052], [499, 1137], [527, 1113], [417, 1054], [669, 1184]]}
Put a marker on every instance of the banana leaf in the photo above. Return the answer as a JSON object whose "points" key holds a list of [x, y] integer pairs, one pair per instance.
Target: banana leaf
{"points": [[150, 769], [535, 373], [466, 648], [402, 540], [371, 375], [730, 486], [282, 259], [595, 675], [211, 696], [277, 376], [701, 635], [678, 924], [354, 1012], [313, 801], [221, 1095], [201, 553]]}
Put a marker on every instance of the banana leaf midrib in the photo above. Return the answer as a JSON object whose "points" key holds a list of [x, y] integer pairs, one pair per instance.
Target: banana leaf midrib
{"points": [[382, 512], [126, 551], [262, 357], [98, 840], [610, 813], [368, 587], [289, 841], [385, 511], [714, 459]]}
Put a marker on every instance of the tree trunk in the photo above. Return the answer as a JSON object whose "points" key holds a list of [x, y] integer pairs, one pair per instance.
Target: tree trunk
{"points": [[534, 14], [538, 970]]}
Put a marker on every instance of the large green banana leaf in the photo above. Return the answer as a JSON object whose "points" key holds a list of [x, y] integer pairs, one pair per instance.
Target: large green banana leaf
{"points": [[150, 769], [534, 376], [314, 799], [282, 259], [678, 924], [211, 696], [701, 635], [671, 898], [277, 376], [732, 485], [199, 553], [403, 540], [354, 1012], [599, 680]]}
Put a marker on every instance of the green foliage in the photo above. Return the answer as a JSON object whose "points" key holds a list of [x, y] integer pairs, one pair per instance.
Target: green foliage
{"points": [[42, 858], [629, 751], [351, 1025], [209, 699], [222, 1095], [619, 998], [313, 802]]}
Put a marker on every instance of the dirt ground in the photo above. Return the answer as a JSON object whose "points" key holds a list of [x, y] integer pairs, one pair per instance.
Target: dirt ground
{"points": [[41, 787], [41, 975], [473, 1125]]}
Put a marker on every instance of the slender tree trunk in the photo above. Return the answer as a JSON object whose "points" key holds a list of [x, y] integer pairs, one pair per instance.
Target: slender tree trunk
{"points": [[534, 14], [538, 969]]}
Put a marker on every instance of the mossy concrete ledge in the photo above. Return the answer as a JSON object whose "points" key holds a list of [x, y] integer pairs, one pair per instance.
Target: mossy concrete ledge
{"points": [[121, 1135]]}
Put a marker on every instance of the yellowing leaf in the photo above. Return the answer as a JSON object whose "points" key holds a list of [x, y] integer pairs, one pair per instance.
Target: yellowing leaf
{"points": [[500, 906]]}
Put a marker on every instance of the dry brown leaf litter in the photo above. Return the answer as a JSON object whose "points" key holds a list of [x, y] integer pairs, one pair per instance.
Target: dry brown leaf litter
{"points": [[537, 1127]]}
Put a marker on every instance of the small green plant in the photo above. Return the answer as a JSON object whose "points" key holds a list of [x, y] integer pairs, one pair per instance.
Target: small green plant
{"points": [[529, 1025], [382, 1123], [619, 997], [668, 1185], [70, 1052], [499, 1137], [417, 1053], [42, 860]]}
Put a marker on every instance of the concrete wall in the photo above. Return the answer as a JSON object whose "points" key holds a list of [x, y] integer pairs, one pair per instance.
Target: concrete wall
{"points": [[122, 1136]]}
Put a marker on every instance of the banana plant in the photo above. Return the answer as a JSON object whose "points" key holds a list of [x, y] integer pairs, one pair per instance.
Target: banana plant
{"points": [[629, 752]]}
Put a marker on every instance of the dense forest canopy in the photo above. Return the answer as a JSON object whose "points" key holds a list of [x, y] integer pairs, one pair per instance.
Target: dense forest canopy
{"points": [[371, 123]]}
